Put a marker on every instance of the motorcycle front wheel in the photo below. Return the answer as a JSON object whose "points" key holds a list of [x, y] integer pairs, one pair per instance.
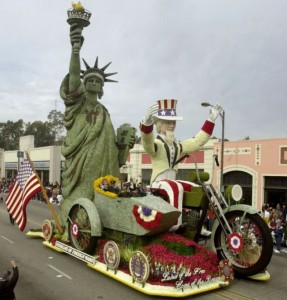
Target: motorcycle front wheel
{"points": [[255, 251]]}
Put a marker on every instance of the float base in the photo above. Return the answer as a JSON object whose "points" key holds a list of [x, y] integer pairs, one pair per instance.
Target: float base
{"points": [[146, 288]]}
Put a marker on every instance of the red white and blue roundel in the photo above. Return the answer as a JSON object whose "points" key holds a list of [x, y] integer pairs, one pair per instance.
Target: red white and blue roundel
{"points": [[75, 229], [235, 242], [147, 217]]}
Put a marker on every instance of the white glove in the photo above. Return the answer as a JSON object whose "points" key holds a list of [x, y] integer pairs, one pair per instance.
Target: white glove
{"points": [[215, 111], [147, 119]]}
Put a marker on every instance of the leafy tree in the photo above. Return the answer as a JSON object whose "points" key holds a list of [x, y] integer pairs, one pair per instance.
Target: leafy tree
{"points": [[10, 133], [46, 133], [56, 125], [42, 133]]}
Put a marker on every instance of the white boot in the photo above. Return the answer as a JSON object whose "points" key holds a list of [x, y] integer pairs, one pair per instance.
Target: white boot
{"points": [[205, 232]]}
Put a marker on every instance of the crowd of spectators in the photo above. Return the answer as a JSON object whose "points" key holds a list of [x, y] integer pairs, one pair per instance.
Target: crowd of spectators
{"points": [[276, 218], [53, 191], [5, 184], [124, 189], [132, 189]]}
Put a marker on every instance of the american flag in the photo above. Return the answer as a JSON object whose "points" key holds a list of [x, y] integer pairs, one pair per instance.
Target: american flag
{"points": [[26, 185]]}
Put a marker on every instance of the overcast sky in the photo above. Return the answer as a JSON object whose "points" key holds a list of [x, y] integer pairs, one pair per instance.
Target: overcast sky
{"points": [[231, 52]]}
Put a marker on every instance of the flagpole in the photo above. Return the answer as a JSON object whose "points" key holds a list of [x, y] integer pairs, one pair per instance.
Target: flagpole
{"points": [[45, 196]]}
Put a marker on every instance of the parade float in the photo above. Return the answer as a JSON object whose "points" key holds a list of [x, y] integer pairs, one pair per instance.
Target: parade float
{"points": [[126, 237]]}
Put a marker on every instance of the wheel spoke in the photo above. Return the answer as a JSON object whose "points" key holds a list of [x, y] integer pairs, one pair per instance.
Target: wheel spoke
{"points": [[85, 231], [83, 240]]}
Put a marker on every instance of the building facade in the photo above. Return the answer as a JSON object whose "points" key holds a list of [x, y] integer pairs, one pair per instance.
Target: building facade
{"points": [[259, 166], [47, 161]]}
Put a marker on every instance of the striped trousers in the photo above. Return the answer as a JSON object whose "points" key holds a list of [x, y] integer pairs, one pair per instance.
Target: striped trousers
{"points": [[173, 190]]}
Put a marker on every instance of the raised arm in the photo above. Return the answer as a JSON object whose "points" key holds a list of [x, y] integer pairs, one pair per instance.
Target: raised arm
{"points": [[77, 40], [146, 128]]}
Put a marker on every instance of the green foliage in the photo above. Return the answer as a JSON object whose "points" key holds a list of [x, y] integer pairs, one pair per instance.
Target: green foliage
{"points": [[46, 133], [10, 133], [42, 133], [178, 248], [56, 125], [178, 244], [127, 251]]}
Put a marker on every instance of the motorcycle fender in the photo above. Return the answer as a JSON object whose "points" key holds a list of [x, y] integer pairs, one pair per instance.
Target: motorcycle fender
{"points": [[241, 207], [96, 226]]}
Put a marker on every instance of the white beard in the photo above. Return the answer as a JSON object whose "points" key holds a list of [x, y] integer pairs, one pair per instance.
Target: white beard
{"points": [[170, 137]]}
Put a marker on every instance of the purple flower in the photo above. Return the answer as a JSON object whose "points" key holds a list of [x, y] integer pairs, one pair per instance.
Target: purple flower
{"points": [[146, 211]]}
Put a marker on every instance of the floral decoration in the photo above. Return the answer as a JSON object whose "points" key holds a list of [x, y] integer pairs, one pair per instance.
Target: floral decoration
{"points": [[54, 240], [98, 182], [146, 217], [58, 237], [168, 268], [166, 264], [225, 270], [75, 229], [235, 242]]}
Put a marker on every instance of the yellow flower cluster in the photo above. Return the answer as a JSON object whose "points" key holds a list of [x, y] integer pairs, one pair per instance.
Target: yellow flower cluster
{"points": [[98, 182]]}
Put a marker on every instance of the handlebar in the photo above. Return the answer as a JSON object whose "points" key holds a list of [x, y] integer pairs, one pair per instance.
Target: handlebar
{"points": [[215, 158], [181, 159]]}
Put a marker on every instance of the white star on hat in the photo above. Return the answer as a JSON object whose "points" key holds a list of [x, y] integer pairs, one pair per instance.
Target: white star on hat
{"points": [[172, 113], [162, 112]]}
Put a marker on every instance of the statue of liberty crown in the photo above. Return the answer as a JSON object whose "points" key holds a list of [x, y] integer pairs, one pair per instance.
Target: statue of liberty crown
{"points": [[96, 71]]}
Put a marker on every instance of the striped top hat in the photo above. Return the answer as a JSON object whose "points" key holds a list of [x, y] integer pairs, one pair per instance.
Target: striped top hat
{"points": [[167, 110]]}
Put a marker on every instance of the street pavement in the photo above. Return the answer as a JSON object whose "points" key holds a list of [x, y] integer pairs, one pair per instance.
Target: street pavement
{"points": [[48, 275]]}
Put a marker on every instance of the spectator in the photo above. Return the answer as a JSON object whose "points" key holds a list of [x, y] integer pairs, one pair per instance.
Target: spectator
{"points": [[8, 283], [104, 185], [266, 215], [210, 217], [53, 198], [59, 197], [272, 224], [278, 208], [113, 187], [132, 185], [284, 212], [12, 221], [279, 231], [140, 191]]}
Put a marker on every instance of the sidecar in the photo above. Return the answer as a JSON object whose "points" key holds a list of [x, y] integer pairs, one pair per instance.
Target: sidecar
{"points": [[139, 216]]}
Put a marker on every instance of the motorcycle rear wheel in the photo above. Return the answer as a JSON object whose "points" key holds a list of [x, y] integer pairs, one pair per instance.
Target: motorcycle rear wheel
{"points": [[257, 248]]}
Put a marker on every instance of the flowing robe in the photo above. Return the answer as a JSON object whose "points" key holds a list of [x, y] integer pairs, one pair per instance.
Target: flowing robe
{"points": [[90, 147]]}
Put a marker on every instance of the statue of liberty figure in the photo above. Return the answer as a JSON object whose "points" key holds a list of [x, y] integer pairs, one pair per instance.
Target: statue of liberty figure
{"points": [[91, 147]]}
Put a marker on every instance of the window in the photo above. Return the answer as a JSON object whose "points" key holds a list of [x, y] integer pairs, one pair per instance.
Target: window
{"points": [[244, 180], [283, 156]]}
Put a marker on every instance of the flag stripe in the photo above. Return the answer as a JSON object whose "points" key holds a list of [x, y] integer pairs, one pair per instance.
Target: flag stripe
{"points": [[13, 202], [26, 185], [10, 197], [14, 205]]}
